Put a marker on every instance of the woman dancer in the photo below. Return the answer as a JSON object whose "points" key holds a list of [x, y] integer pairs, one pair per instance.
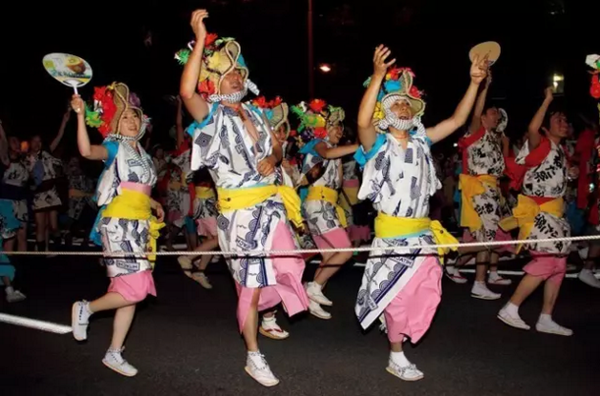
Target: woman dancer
{"points": [[125, 224], [399, 177]]}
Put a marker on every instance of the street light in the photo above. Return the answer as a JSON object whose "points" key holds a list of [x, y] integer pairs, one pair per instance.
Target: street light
{"points": [[558, 81], [325, 68]]}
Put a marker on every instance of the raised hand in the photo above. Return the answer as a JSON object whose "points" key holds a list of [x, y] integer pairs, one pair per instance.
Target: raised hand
{"points": [[77, 105], [488, 80], [479, 69], [549, 94], [198, 26], [380, 66]]}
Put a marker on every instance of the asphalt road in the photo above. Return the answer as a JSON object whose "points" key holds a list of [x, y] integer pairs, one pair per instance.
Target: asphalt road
{"points": [[185, 342]]}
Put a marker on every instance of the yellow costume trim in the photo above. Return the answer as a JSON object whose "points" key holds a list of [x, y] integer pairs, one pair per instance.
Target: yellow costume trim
{"points": [[245, 198], [524, 215], [205, 192], [135, 205], [471, 186], [320, 193], [387, 226]]}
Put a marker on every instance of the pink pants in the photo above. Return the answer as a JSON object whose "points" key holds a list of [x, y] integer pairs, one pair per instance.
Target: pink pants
{"points": [[410, 313], [546, 266], [359, 233], [207, 227], [135, 287], [288, 290], [336, 238]]}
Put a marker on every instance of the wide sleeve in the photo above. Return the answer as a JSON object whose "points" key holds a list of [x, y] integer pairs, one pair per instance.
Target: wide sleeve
{"points": [[206, 139]]}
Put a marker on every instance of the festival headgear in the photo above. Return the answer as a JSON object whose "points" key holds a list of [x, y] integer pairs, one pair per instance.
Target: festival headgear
{"points": [[276, 112], [503, 122], [397, 85], [220, 57], [110, 104], [315, 119], [593, 61]]}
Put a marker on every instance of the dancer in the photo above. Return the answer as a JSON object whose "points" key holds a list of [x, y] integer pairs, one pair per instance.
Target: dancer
{"points": [[483, 164], [348, 200], [82, 209], [399, 177], [44, 170], [321, 128], [125, 223], [13, 187], [541, 170], [234, 141]]}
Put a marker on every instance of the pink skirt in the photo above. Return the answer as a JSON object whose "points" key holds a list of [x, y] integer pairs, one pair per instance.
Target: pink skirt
{"points": [[207, 227], [410, 313], [288, 290], [336, 238], [359, 233], [135, 287]]}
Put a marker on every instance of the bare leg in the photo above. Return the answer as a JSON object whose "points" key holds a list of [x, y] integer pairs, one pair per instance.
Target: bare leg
{"points": [[122, 323], [494, 258], [250, 330], [22, 237], [324, 259], [40, 230], [6, 281], [53, 222], [483, 259], [527, 286], [551, 290], [593, 255], [109, 301], [333, 265], [206, 246], [396, 346]]}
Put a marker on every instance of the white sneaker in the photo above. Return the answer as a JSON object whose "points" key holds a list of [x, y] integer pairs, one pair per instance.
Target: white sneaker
{"points": [[315, 293], [15, 297], [455, 276], [408, 373], [481, 292], [201, 278], [513, 321], [553, 328], [316, 310], [114, 361], [258, 368], [495, 279], [80, 316], [587, 277], [185, 262], [269, 328]]}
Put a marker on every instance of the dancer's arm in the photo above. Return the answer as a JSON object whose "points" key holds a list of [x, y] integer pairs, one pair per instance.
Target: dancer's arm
{"points": [[87, 150], [533, 132], [179, 123], [267, 166], [480, 105], [61, 131], [194, 103], [3, 146], [458, 119], [366, 130], [157, 207], [335, 152]]}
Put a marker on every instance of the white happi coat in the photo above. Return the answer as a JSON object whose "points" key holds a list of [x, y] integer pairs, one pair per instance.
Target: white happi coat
{"points": [[123, 235], [548, 180], [399, 183], [222, 144], [44, 167], [16, 176], [321, 216]]}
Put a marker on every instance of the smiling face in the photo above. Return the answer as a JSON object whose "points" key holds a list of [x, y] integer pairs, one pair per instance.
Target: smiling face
{"points": [[281, 133], [401, 108], [232, 82], [335, 133], [130, 123], [559, 127]]}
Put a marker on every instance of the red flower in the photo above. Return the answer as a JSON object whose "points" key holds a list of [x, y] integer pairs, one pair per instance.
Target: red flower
{"points": [[317, 105], [595, 88], [414, 92], [293, 133], [276, 102], [395, 73], [320, 133], [260, 102], [210, 38], [207, 87]]}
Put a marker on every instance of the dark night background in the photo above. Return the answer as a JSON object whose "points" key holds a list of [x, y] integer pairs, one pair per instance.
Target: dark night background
{"points": [[538, 38]]}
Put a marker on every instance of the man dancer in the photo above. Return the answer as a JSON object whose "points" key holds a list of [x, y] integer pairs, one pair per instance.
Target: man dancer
{"points": [[399, 177], [234, 141]]}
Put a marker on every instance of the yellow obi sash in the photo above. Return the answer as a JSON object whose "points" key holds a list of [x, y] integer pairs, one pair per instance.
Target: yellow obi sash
{"points": [[321, 193], [387, 226], [74, 193], [471, 186], [524, 215], [135, 205], [245, 198], [205, 192]]}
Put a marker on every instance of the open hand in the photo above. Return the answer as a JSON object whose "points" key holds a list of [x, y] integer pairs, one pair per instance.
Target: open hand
{"points": [[479, 69], [380, 65], [198, 26], [549, 93]]}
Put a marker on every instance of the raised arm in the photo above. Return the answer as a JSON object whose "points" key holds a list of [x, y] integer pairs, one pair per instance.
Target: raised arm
{"points": [[179, 123], [533, 132], [458, 119], [87, 150], [335, 152], [61, 130], [194, 103], [480, 104], [3, 146], [366, 131]]}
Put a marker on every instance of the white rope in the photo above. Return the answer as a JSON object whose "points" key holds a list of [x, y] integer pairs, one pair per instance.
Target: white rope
{"points": [[406, 249], [35, 324]]}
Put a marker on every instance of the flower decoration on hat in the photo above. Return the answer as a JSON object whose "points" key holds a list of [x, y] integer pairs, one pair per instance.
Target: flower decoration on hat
{"points": [[276, 111], [221, 56], [593, 61], [110, 104], [315, 119], [397, 85]]}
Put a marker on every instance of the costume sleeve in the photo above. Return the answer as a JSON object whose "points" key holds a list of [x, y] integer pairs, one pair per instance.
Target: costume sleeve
{"points": [[361, 157], [112, 148], [206, 139]]}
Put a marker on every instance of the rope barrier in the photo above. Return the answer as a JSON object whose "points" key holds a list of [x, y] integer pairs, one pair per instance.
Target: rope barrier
{"points": [[307, 251]]}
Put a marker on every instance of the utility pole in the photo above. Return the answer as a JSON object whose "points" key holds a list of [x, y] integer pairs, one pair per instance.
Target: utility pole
{"points": [[311, 67]]}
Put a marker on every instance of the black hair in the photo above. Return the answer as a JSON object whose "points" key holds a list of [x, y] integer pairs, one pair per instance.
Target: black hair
{"points": [[489, 105]]}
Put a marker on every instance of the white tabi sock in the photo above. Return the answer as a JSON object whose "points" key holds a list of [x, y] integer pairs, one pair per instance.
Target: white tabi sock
{"points": [[545, 319], [9, 290], [400, 359], [512, 310]]}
